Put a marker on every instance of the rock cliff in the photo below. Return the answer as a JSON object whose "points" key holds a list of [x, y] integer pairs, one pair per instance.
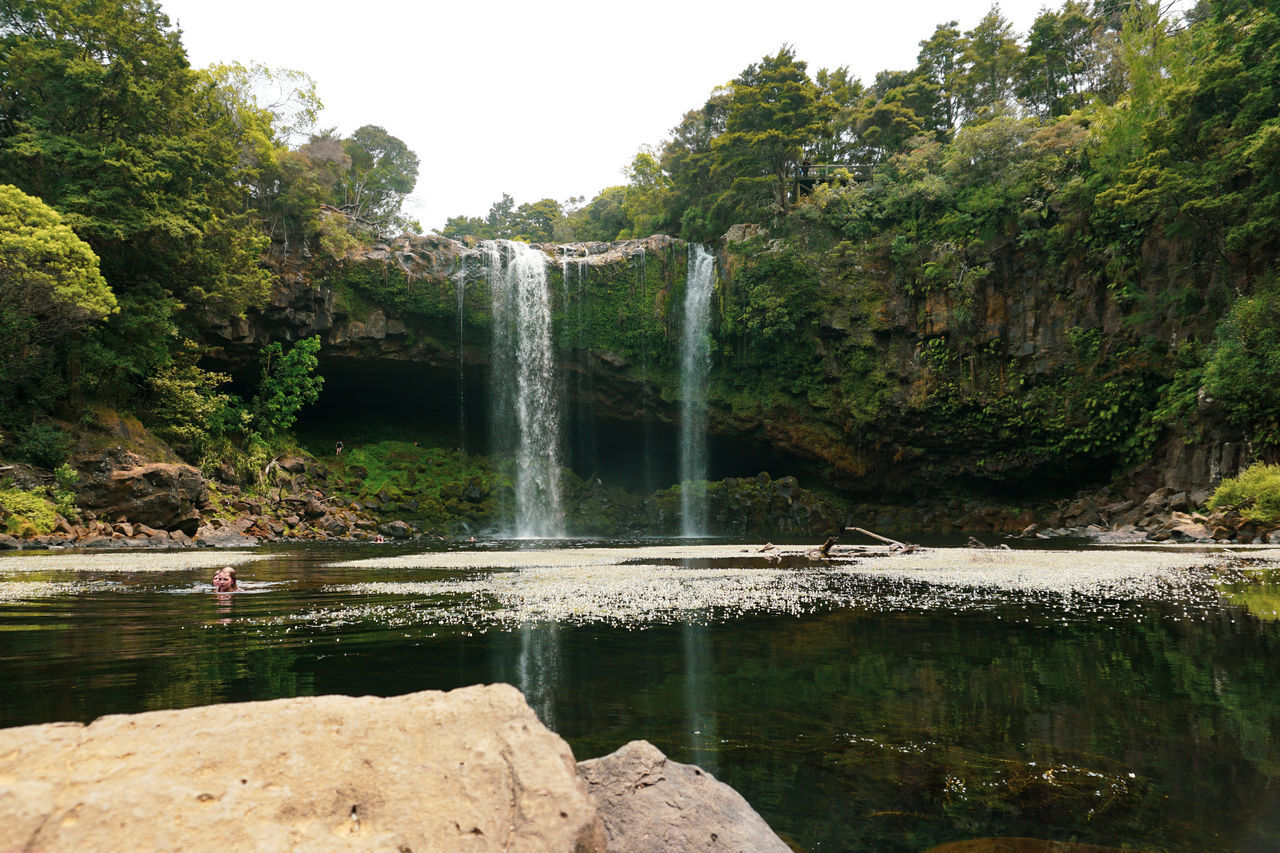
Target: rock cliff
{"points": [[1017, 389]]}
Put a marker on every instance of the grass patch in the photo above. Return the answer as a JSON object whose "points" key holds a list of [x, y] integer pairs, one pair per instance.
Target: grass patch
{"points": [[440, 488]]}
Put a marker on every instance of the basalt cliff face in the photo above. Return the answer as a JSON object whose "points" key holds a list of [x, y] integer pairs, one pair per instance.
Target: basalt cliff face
{"points": [[1020, 387]]}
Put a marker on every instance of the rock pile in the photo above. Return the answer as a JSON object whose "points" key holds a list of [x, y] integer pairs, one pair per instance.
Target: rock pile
{"points": [[128, 503], [1164, 515]]}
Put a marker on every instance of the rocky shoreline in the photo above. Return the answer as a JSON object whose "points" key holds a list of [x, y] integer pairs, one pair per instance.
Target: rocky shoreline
{"points": [[132, 491], [310, 516]]}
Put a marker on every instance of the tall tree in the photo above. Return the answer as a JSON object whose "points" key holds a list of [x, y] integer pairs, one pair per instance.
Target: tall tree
{"points": [[941, 59], [689, 160], [991, 56], [1061, 63], [383, 171], [774, 112], [50, 289], [101, 117]]}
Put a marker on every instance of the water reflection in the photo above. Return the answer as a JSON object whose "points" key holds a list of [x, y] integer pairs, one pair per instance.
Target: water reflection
{"points": [[1142, 723], [538, 669], [703, 743]]}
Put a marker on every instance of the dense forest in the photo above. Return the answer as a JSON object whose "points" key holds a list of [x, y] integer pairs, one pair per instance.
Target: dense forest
{"points": [[140, 197]]}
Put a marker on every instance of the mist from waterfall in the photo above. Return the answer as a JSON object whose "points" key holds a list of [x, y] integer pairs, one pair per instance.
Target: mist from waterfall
{"points": [[526, 393], [695, 367]]}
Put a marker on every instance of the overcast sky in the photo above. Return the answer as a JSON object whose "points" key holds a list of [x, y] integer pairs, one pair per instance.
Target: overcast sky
{"points": [[546, 99]]}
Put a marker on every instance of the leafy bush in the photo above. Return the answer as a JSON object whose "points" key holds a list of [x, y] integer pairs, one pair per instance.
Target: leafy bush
{"points": [[287, 384], [43, 445], [1243, 372], [25, 513], [1255, 494]]}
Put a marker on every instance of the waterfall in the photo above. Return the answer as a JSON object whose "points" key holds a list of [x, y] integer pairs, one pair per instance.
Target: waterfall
{"points": [[460, 280], [695, 366], [526, 413]]}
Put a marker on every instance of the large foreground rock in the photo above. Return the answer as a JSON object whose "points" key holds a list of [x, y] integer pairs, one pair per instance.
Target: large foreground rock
{"points": [[471, 769], [651, 804]]}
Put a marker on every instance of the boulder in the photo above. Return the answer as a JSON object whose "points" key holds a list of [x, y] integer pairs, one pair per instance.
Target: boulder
{"points": [[396, 530], [650, 804], [469, 769], [161, 494]]}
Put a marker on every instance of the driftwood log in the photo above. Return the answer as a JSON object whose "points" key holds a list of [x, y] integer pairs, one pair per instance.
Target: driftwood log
{"points": [[894, 544]]}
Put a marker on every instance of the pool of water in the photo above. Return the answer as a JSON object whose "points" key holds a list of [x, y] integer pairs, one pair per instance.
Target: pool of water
{"points": [[858, 709]]}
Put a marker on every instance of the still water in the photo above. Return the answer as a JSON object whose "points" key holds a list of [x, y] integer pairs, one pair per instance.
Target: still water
{"points": [[853, 712]]}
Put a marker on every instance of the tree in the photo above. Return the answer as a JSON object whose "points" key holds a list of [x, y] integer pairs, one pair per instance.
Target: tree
{"points": [[286, 385], [990, 58], [103, 119], [773, 113], [842, 96], [689, 161], [50, 289], [941, 59], [382, 172], [535, 222], [602, 218], [646, 198], [1061, 63]]}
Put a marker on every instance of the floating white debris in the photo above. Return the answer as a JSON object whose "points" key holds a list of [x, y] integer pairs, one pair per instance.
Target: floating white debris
{"points": [[629, 586], [125, 561]]}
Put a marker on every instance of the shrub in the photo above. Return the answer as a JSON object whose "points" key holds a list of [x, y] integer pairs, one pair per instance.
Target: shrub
{"points": [[1255, 494], [25, 512], [43, 445]]}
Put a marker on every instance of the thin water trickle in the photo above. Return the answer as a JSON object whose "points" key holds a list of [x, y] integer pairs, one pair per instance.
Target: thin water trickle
{"points": [[526, 414], [460, 282], [695, 367]]}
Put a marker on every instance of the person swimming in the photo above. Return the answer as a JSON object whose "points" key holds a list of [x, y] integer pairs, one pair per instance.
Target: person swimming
{"points": [[224, 580]]}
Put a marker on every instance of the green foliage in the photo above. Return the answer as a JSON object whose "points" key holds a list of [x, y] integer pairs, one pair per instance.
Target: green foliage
{"points": [[50, 291], [187, 407], [603, 218], [382, 172], [41, 444], [645, 199], [441, 489], [773, 112], [129, 144], [628, 309], [537, 222], [286, 385], [1243, 371], [1255, 494], [386, 284], [26, 513]]}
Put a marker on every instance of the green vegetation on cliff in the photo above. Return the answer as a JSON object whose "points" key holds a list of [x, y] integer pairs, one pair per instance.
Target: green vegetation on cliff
{"points": [[175, 183]]}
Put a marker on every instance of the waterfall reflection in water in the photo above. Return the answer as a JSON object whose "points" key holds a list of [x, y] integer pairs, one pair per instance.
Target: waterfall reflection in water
{"points": [[900, 714]]}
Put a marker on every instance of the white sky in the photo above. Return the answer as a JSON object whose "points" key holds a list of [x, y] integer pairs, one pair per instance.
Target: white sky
{"points": [[546, 99]]}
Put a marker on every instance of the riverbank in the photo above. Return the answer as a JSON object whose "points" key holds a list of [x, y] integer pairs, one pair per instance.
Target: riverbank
{"points": [[126, 490]]}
